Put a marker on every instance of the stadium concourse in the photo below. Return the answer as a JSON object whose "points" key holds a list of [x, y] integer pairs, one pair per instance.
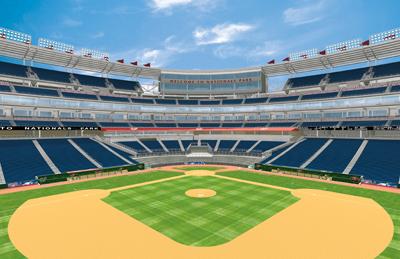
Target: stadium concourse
{"points": [[329, 140]]}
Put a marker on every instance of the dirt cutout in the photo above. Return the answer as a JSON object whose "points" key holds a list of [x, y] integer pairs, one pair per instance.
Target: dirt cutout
{"points": [[80, 225], [200, 193]]}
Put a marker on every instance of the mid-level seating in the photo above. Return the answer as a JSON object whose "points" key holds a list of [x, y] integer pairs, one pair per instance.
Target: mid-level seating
{"points": [[12, 69], [226, 145], [36, 91], [319, 96], [376, 90], [5, 123], [165, 101], [21, 161], [283, 99], [115, 124], [79, 96], [114, 99], [136, 146], [244, 145], [255, 100], [52, 75], [391, 69], [91, 80], [300, 153], [187, 143], [232, 101], [347, 75], [210, 125], [336, 156], [188, 102], [232, 125], [152, 144], [142, 124], [266, 145], [379, 161], [64, 155], [363, 123], [210, 102], [188, 125], [143, 100], [319, 124], [125, 84], [172, 145], [5, 88], [99, 153], [281, 124], [210, 142], [165, 125], [255, 124], [305, 81], [79, 124]]}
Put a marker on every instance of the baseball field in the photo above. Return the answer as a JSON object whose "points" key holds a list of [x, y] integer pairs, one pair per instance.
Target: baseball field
{"points": [[200, 212]]}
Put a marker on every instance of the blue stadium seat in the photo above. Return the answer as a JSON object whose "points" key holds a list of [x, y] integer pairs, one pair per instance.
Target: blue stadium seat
{"points": [[255, 100], [5, 88], [36, 91], [379, 161], [91, 80], [266, 145], [336, 156], [64, 155], [79, 96], [232, 125], [187, 102], [274, 154], [186, 143], [395, 89], [210, 125], [142, 124], [281, 124], [172, 145], [11, 69], [165, 101], [347, 75], [88, 124], [25, 123], [211, 143], [5, 123], [143, 100], [123, 154], [255, 124], [363, 123], [210, 102], [300, 153], [390, 69], [153, 145], [52, 75], [99, 153], [368, 91], [165, 125], [115, 124], [305, 81], [188, 125], [226, 145], [125, 84], [21, 161], [244, 145], [283, 99], [114, 99], [134, 145], [319, 96], [232, 101], [319, 124]]}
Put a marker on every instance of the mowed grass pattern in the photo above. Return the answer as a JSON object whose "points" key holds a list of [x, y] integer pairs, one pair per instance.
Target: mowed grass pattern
{"points": [[236, 208], [389, 201]]}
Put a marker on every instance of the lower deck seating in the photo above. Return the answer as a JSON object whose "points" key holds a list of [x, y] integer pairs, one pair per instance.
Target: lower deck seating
{"points": [[244, 145], [172, 145], [65, 156], [300, 153], [99, 153], [136, 146], [379, 161], [336, 156], [266, 145], [21, 161]]}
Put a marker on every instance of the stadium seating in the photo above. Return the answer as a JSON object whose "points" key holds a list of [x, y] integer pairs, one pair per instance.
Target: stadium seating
{"points": [[5, 88], [347, 75], [79, 96], [79, 124], [136, 146], [283, 99], [377, 90], [123, 154], [336, 156], [124, 84], [244, 145], [172, 145], [36, 91], [363, 123], [319, 96], [390, 69], [211, 143], [12, 69], [65, 156], [266, 145], [255, 100], [21, 161], [305, 81], [300, 153], [52, 75], [99, 153], [226, 145], [30, 123], [114, 99], [379, 161], [90, 80]]}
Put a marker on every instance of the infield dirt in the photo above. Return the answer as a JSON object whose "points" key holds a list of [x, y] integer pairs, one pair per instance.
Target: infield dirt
{"points": [[80, 225]]}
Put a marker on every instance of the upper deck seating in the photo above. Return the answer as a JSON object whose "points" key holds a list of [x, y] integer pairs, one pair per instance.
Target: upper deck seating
{"points": [[375, 90], [305, 81], [52, 75], [36, 91], [319, 96], [347, 75], [283, 99], [125, 84], [79, 96], [391, 69], [11, 69], [91, 80]]}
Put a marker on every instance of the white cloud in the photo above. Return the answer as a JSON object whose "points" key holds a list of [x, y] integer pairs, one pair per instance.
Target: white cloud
{"points": [[221, 33], [69, 22], [158, 57], [264, 51], [98, 35], [167, 5], [307, 14]]}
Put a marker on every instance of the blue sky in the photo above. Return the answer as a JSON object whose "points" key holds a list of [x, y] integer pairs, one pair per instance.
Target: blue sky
{"points": [[200, 34]]}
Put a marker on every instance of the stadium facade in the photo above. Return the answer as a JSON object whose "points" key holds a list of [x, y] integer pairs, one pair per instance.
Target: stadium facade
{"points": [[340, 124]]}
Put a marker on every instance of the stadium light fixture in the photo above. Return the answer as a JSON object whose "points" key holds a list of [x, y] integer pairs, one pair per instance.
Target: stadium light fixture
{"points": [[95, 54], [15, 36], [303, 54], [343, 46], [385, 36], [55, 45]]}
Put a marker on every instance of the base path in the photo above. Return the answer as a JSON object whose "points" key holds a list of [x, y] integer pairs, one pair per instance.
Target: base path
{"points": [[321, 225]]}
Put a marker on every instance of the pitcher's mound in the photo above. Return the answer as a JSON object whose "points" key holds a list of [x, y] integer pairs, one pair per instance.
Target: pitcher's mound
{"points": [[199, 173], [200, 193]]}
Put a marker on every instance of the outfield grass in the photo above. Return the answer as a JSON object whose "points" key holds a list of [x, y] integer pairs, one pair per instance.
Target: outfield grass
{"points": [[207, 168], [236, 208], [10, 202], [389, 201]]}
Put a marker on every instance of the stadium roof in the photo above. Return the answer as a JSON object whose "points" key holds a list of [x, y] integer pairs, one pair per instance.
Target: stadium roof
{"points": [[29, 52]]}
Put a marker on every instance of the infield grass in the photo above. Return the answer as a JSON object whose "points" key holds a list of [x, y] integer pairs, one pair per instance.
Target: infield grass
{"points": [[389, 201], [236, 208]]}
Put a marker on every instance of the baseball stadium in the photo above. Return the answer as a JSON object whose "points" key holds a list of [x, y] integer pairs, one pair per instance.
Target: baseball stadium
{"points": [[201, 145]]}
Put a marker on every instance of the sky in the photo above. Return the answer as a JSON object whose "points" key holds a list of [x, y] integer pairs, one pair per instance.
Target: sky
{"points": [[200, 34]]}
